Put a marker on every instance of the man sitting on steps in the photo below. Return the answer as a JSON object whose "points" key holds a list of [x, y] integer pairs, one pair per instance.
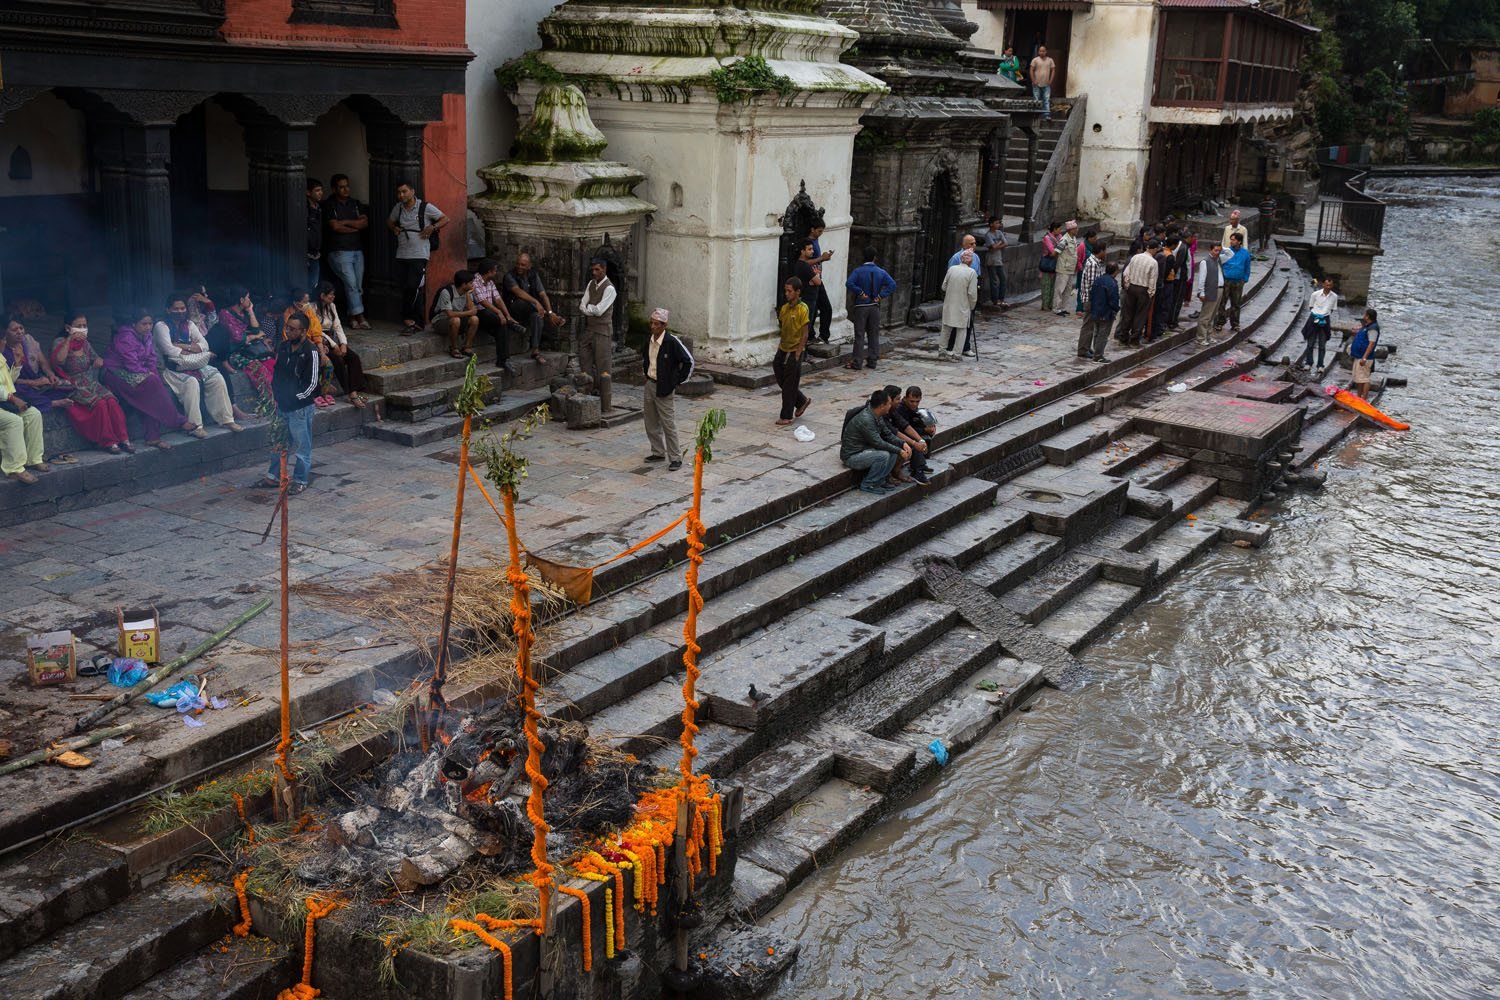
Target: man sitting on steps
{"points": [[870, 446], [896, 419]]}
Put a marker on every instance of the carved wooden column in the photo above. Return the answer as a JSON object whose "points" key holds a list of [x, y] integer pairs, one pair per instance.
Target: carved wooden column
{"points": [[278, 204], [137, 194], [395, 157]]}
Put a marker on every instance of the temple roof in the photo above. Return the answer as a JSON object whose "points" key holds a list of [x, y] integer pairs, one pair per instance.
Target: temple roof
{"points": [[905, 24]]}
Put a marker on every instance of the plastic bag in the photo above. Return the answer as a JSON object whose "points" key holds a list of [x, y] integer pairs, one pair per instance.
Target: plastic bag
{"points": [[126, 673], [1177, 387], [174, 694], [803, 433], [939, 752]]}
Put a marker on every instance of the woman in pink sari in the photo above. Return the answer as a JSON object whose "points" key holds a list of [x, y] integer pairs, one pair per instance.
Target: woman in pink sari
{"points": [[93, 409]]}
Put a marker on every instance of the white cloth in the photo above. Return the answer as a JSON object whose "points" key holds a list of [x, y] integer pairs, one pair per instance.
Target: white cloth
{"points": [[960, 293], [173, 354], [197, 388], [1324, 303], [333, 330], [606, 299]]}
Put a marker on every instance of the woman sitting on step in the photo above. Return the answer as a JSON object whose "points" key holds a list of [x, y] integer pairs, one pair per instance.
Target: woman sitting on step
{"points": [[131, 372], [239, 345], [189, 371], [93, 409], [301, 302], [347, 367]]}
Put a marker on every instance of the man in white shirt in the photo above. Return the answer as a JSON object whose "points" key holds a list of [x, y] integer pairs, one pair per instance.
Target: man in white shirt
{"points": [[1042, 70], [1208, 278], [596, 345], [189, 371], [1235, 227], [1140, 288], [1319, 324], [413, 222]]}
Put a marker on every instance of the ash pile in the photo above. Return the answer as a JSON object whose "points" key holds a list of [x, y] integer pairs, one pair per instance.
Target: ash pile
{"points": [[425, 815]]}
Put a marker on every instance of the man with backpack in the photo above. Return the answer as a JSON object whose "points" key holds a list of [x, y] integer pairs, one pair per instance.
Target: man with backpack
{"points": [[416, 225]]}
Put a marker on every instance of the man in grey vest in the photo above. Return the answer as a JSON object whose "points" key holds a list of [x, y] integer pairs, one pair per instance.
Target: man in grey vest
{"points": [[596, 346], [1206, 285]]}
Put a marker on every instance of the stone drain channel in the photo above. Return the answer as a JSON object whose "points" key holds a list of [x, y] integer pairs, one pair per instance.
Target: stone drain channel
{"points": [[879, 636]]}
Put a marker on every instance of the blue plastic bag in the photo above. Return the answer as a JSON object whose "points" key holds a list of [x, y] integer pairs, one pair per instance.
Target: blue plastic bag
{"points": [[174, 694], [939, 752], [126, 673]]}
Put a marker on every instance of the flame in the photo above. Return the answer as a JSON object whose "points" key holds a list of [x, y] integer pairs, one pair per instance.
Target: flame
{"points": [[479, 794], [443, 737]]}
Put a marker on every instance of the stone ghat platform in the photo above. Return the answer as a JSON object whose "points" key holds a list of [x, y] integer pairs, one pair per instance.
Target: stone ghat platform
{"points": [[1059, 507]]}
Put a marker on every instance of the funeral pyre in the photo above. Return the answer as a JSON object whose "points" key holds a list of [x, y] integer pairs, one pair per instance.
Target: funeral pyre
{"points": [[423, 816]]}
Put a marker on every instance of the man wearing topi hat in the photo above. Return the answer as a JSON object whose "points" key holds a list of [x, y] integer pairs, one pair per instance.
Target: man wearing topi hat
{"points": [[1067, 265], [668, 365]]}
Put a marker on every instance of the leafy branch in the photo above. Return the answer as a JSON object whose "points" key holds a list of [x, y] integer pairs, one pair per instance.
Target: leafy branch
{"points": [[503, 465], [708, 428]]}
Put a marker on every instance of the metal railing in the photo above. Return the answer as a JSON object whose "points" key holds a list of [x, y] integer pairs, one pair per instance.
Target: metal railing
{"points": [[1347, 216]]}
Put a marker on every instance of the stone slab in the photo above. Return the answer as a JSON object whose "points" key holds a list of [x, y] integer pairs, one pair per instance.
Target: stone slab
{"points": [[1223, 423]]}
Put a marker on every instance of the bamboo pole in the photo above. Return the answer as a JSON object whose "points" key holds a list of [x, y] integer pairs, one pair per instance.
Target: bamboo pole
{"points": [[284, 746], [161, 673], [440, 669], [37, 756]]}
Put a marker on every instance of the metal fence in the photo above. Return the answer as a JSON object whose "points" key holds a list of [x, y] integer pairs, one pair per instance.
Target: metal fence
{"points": [[1347, 216]]}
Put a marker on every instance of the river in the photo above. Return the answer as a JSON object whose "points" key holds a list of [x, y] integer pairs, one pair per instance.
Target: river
{"points": [[1285, 781]]}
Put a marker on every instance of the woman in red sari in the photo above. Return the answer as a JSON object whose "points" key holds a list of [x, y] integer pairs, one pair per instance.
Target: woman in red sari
{"points": [[93, 409]]}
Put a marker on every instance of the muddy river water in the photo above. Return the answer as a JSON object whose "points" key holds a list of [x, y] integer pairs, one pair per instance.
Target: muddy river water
{"points": [[1285, 781]]}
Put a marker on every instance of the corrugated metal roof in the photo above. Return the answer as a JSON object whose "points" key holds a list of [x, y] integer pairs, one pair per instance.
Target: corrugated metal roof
{"points": [[1036, 5], [1235, 6]]}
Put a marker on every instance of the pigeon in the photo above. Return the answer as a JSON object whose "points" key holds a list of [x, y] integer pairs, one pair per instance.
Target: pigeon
{"points": [[756, 695]]}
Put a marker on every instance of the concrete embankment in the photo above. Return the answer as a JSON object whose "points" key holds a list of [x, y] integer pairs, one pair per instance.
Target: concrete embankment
{"points": [[880, 633]]}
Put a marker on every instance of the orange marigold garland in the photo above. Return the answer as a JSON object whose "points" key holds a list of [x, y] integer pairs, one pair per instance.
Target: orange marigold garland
{"points": [[317, 909], [239, 807], [588, 946], [242, 929], [459, 926]]}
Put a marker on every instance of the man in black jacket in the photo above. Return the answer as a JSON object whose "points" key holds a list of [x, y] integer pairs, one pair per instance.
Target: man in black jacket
{"points": [[668, 365], [294, 383], [871, 447]]}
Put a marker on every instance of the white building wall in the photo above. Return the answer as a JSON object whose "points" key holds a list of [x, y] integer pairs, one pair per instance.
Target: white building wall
{"points": [[52, 133], [498, 31], [991, 33], [1112, 59]]}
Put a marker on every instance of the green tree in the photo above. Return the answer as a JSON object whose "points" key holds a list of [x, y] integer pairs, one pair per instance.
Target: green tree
{"points": [[1373, 34]]}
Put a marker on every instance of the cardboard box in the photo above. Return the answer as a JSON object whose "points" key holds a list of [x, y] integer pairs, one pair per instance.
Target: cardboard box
{"points": [[52, 658], [140, 634]]}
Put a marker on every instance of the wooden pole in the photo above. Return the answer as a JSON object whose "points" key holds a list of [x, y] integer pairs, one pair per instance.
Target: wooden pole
{"points": [[690, 627], [284, 801], [161, 673], [440, 669], [679, 853]]}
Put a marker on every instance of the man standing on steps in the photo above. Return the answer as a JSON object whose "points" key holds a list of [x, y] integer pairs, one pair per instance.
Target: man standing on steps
{"points": [[344, 248], [314, 232], [976, 261], [1319, 324], [668, 364], [807, 270], [1140, 286], [597, 346], [1067, 266], [1043, 69], [1206, 285], [1267, 221], [868, 286], [1236, 269], [994, 263], [960, 293], [820, 306], [1161, 302], [1234, 227], [1180, 264], [415, 224], [1093, 267], [869, 446], [1103, 304]]}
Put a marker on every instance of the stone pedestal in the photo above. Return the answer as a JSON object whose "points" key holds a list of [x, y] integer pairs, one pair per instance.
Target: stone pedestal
{"points": [[723, 154], [564, 206]]}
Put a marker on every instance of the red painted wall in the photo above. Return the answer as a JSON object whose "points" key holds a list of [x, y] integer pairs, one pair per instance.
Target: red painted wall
{"points": [[424, 24], [444, 161]]}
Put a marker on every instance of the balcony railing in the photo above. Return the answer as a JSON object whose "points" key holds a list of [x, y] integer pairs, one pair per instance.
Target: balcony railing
{"points": [[1347, 215], [1218, 59]]}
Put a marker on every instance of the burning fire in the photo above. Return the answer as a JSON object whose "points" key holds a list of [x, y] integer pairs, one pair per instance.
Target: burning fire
{"points": [[479, 794]]}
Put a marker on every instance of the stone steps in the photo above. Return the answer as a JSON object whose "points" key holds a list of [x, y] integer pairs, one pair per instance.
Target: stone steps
{"points": [[45, 890], [413, 433], [248, 968], [106, 954]]}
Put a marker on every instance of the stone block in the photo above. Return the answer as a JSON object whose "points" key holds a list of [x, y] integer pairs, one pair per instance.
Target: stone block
{"points": [[862, 759], [581, 412], [793, 667], [757, 890], [779, 777], [1240, 530], [1142, 502]]}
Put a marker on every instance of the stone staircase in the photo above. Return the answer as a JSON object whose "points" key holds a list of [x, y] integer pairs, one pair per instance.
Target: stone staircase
{"points": [[1058, 506], [1013, 194]]}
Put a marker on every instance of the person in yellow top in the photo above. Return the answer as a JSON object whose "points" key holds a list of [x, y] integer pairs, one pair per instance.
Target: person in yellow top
{"points": [[20, 432], [795, 324], [302, 303]]}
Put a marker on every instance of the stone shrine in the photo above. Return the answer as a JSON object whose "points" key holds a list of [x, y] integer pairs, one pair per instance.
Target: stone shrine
{"points": [[728, 109]]}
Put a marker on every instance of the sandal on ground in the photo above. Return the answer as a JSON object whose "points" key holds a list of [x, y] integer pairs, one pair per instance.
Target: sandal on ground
{"points": [[266, 483], [41, 467], [198, 432], [22, 477], [296, 488], [127, 447], [160, 444], [112, 449], [357, 400], [782, 423], [454, 352], [852, 366], [63, 459], [803, 408], [233, 427]]}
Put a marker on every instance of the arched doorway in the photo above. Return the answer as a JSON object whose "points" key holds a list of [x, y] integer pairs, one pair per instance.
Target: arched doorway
{"points": [[939, 235]]}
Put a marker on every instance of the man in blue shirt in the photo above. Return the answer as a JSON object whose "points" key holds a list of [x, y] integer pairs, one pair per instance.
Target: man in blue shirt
{"points": [[1362, 353], [1236, 271], [1104, 303], [869, 285]]}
